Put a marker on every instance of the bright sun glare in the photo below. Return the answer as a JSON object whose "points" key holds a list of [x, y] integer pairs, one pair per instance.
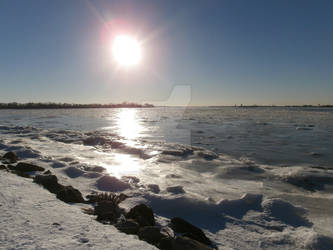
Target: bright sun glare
{"points": [[126, 50]]}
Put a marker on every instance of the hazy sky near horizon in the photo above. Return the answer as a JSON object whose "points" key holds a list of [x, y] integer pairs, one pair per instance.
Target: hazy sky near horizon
{"points": [[229, 52]]}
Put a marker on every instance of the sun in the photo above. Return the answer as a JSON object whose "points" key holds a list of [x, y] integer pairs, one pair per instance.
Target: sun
{"points": [[126, 50]]}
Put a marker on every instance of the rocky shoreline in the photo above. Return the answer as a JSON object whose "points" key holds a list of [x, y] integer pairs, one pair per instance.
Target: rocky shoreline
{"points": [[139, 220]]}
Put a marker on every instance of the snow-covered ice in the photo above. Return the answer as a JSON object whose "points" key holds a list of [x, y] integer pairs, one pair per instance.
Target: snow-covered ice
{"points": [[250, 178]]}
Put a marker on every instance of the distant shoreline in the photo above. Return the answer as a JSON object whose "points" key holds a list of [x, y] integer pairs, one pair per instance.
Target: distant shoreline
{"points": [[279, 106], [14, 105]]}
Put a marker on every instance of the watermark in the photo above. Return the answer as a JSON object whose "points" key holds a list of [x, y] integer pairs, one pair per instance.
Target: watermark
{"points": [[171, 114]]}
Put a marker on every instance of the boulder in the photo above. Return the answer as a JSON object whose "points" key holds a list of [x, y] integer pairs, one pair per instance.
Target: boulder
{"points": [[94, 140], [27, 167], [50, 182], [128, 227], [84, 240], [173, 176], [47, 172], [180, 225], [107, 211], [176, 190], [166, 243], [167, 231], [177, 152], [207, 155], [21, 173], [98, 197], [70, 194], [142, 214], [154, 188], [186, 243], [150, 234], [11, 167], [64, 193], [11, 156], [3, 167], [96, 169]]}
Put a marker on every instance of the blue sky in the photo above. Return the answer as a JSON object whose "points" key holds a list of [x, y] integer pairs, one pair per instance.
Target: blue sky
{"points": [[229, 52]]}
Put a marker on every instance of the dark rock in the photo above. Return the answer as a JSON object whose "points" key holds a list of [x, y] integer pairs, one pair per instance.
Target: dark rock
{"points": [[88, 210], [173, 176], [11, 156], [167, 231], [179, 225], [70, 194], [84, 240], [64, 193], [96, 169], [47, 172], [179, 153], [316, 155], [207, 155], [134, 151], [185, 243], [116, 144], [107, 211], [154, 188], [98, 197], [11, 167], [20, 173], [308, 181], [128, 227], [166, 243], [122, 197], [142, 214], [27, 167], [303, 128], [66, 159], [150, 234], [94, 140], [50, 182], [3, 167], [176, 190]]}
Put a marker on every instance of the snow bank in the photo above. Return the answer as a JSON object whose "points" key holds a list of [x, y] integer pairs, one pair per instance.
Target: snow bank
{"points": [[286, 212], [32, 218]]}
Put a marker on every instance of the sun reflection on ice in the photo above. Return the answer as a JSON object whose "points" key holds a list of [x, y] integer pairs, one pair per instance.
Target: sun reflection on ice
{"points": [[122, 165], [128, 124]]}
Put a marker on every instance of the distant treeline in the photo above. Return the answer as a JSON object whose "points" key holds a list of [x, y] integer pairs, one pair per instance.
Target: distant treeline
{"points": [[51, 105]]}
